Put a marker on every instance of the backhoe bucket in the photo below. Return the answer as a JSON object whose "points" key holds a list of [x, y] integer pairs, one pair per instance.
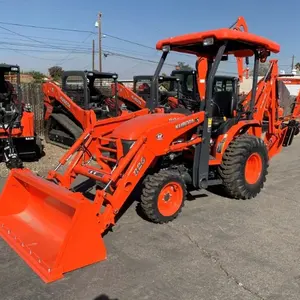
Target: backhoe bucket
{"points": [[53, 229]]}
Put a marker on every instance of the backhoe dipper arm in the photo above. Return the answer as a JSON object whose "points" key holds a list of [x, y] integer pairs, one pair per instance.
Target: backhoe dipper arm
{"points": [[53, 92], [266, 110], [241, 25], [202, 65]]}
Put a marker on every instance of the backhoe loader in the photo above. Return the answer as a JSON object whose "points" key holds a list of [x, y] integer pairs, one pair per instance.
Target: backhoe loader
{"points": [[55, 228]]}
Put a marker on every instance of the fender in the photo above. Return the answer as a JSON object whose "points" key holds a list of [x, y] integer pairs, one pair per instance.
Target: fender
{"points": [[253, 127]]}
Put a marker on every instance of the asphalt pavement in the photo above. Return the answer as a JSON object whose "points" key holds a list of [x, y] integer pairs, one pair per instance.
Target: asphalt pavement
{"points": [[217, 248]]}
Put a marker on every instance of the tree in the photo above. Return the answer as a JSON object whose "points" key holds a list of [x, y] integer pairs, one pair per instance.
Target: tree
{"points": [[262, 69], [37, 76], [297, 66], [183, 66], [165, 84], [55, 72]]}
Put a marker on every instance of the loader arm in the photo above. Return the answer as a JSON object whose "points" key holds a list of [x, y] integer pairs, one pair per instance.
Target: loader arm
{"points": [[52, 93], [133, 100], [65, 228]]}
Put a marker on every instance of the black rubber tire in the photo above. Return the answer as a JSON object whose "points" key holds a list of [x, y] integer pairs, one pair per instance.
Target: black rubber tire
{"points": [[232, 169], [152, 187]]}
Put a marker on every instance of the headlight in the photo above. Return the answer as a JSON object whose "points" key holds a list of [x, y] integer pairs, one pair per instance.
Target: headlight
{"points": [[166, 48], [208, 41]]}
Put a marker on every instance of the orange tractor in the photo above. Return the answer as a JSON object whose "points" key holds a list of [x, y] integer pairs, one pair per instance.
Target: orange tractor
{"points": [[18, 140], [56, 228]]}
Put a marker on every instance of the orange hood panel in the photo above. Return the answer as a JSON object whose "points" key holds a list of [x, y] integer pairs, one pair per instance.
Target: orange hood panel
{"points": [[134, 128]]}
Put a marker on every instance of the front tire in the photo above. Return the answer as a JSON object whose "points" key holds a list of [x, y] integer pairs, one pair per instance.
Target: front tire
{"points": [[244, 167], [163, 196]]}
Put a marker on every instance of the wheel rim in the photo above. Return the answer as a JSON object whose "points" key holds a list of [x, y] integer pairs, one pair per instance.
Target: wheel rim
{"points": [[253, 168], [170, 199]]}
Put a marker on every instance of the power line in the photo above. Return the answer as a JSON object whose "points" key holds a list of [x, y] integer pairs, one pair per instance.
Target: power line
{"points": [[45, 27], [71, 48], [80, 50], [82, 31], [128, 41], [41, 37], [22, 35], [106, 53], [63, 60], [25, 54]]}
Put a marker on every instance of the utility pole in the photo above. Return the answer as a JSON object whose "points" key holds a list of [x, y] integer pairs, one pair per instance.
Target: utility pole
{"points": [[100, 41], [93, 56], [293, 61]]}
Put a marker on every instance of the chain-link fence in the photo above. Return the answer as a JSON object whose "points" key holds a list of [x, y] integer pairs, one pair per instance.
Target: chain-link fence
{"points": [[32, 93]]}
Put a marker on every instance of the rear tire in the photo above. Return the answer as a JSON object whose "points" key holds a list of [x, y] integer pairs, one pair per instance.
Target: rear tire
{"points": [[163, 196], [244, 167]]}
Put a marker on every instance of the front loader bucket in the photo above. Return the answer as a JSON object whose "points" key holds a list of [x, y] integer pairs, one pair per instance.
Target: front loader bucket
{"points": [[53, 229]]}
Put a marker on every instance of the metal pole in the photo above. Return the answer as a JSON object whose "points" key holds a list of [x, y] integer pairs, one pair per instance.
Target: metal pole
{"points": [[100, 41], [293, 60], [93, 56]]}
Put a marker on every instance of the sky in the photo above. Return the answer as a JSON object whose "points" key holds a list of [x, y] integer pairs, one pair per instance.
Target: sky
{"points": [[143, 23]]}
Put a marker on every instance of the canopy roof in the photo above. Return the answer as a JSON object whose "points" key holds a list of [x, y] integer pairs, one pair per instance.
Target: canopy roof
{"points": [[240, 42]]}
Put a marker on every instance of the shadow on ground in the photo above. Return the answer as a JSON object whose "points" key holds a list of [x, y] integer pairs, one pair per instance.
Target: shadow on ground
{"points": [[104, 297]]}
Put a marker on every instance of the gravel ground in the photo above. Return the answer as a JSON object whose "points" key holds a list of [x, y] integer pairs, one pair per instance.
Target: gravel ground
{"points": [[47, 162]]}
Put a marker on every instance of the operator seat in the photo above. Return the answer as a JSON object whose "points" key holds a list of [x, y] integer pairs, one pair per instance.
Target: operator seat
{"points": [[223, 107]]}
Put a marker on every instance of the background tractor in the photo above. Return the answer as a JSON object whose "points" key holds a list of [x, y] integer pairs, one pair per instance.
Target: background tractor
{"points": [[18, 140]]}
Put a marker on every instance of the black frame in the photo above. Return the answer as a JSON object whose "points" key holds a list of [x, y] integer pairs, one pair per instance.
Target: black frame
{"points": [[187, 73], [15, 69], [91, 76]]}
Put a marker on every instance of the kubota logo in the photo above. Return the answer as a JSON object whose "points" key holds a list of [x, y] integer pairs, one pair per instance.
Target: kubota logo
{"points": [[65, 102], [186, 123], [137, 100]]}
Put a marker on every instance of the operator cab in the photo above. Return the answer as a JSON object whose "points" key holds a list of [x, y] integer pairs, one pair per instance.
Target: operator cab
{"points": [[222, 106], [8, 95], [225, 99], [167, 87], [91, 90], [224, 86], [10, 98]]}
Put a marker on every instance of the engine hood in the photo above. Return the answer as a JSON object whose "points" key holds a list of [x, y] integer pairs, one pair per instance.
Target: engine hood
{"points": [[134, 128]]}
